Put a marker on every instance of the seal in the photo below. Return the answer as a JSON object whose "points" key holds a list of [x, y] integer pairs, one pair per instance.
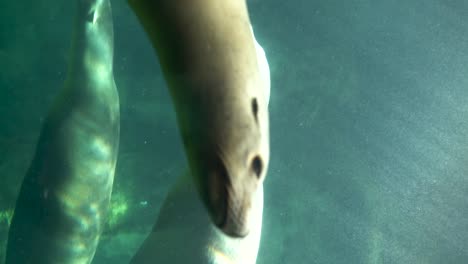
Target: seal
{"points": [[208, 58], [184, 233], [64, 197]]}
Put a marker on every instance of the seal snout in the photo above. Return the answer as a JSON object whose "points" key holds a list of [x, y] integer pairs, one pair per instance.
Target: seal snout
{"points": [[230, 193], [236, 222], [239, 189]]}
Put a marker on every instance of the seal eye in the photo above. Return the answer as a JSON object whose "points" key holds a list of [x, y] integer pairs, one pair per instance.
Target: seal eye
{"points": [[90, 16], [257, 166], [255, 108]]}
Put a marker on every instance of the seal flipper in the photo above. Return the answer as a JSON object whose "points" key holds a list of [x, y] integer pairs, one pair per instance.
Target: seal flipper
{"points": [[61, 207], [184, 232]]}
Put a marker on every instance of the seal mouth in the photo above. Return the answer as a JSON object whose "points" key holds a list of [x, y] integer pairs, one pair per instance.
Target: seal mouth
{"points": [[227, 204], [233, 221], [222, 214], [218, 195]]}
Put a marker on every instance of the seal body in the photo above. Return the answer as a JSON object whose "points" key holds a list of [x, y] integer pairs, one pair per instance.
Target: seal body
{"points": [[207, 52], [184, 232], [63, 200]]}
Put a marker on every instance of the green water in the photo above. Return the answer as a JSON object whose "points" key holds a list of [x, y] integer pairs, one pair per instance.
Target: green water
{"points": [[369, 126]]}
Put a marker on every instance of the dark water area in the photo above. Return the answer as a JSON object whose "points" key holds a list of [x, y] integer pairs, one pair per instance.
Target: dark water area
{"points": [[368, 115]]}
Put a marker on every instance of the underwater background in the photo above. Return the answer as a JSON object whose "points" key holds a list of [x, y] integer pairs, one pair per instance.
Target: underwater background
{"points": [[369, 126]]}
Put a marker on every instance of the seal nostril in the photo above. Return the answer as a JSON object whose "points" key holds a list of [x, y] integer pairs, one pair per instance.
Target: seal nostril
{"points": [[255, 108], [257, 166]]}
